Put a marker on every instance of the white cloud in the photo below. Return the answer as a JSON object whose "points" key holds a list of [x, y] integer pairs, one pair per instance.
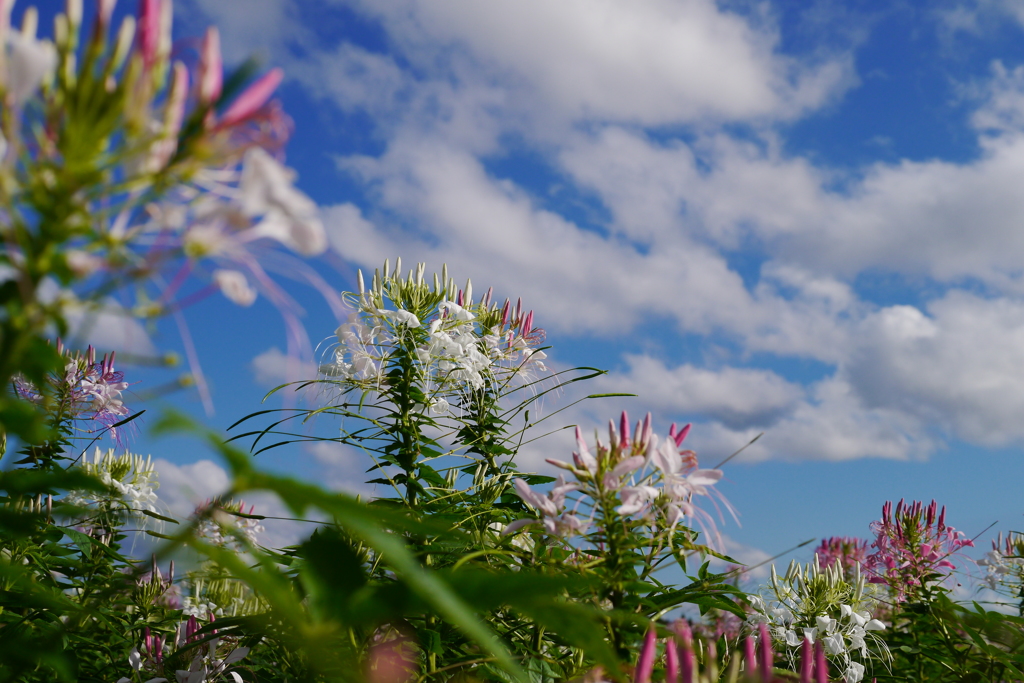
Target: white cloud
{"points": [[273, 368], [832, 425], [651, 63], [960, 368], [345, 468], [737, 397]]}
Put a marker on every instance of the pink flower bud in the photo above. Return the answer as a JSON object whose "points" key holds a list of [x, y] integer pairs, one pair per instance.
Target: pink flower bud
{"points": [[680, 436], [504, 312], [253, 99], [148, 35], [806, 662], [528, 324], [671, 663], [624, 430], [767, 656], [749, 656], [820, 663]]}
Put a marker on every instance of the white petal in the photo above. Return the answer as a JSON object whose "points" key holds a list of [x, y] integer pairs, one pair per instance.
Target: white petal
{"points": [[235, 286]]}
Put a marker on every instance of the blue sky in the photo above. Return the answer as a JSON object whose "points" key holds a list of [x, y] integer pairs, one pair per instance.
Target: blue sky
{"points": [[798, 218]]}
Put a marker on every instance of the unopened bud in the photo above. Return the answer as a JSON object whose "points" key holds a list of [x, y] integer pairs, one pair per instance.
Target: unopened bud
{"points": [[125, 36], [29, 23], [74, 12]]}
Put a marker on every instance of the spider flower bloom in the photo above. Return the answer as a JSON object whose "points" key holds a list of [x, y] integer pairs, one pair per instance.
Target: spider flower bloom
{"points": [[913, 547]]}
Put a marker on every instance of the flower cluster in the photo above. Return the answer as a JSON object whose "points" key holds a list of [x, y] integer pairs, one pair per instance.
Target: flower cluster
{"points": [[817, 604], [86, 391], [212, 661], [454, 345], [638, 476], [912, 549]]}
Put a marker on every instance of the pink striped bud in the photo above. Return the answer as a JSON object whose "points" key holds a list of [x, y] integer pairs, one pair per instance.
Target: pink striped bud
{"points": [[624, 430], [528, 324], [504, 312]]}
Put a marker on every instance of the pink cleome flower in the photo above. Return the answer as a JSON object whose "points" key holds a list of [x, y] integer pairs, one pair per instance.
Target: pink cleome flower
{"points": [[913, 547]]}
